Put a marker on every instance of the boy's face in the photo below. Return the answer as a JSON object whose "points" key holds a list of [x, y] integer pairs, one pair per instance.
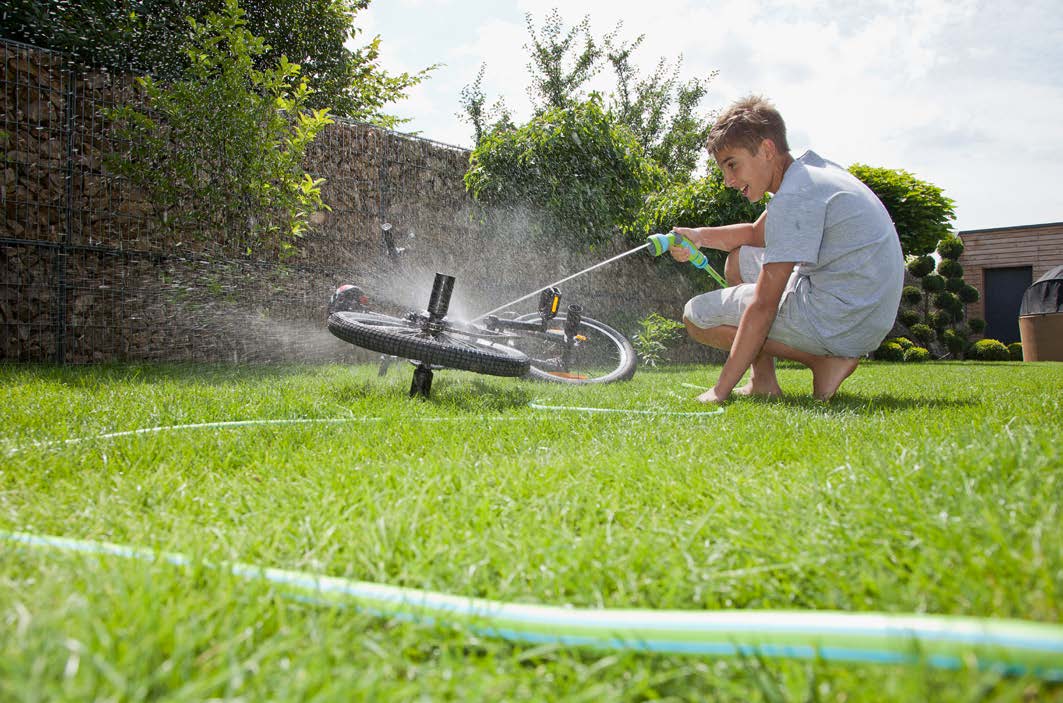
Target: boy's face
{"points": [[750, 173]]}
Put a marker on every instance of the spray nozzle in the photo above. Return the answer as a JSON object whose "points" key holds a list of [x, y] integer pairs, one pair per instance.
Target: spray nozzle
{"points": [[659, 243]]}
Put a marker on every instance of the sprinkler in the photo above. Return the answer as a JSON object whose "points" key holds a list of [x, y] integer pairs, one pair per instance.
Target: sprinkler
{"points": [[438, 304]]}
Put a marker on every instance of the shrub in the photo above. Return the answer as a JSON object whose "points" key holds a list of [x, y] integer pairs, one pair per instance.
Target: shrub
{"points": [[912, 295], [1015, 351], [921, 266], [889, 351], [933, 283], [954, 285], [950, 248], [224, 145], [916, 354], [989, 350], [969, 294], [656, 333], [955, 341], [947, 301], [923, 333], [577, 165], [942, 319], [909, 317], [950, 269], [903, 342], [977, 325]]}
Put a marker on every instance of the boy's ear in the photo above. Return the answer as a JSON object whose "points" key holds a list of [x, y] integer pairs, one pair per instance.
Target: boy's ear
{"points": [[768, 148]]}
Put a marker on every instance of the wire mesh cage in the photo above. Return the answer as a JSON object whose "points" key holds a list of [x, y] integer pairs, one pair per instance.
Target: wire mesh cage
{"points": [[89, 272]]}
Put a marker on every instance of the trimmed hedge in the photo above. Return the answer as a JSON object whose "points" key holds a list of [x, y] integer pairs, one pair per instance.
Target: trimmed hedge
{"points": [[989, 350], [916, 355]]}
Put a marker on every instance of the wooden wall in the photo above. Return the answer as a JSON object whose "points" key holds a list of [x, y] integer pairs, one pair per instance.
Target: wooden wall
{"points": [[1037, 246]]}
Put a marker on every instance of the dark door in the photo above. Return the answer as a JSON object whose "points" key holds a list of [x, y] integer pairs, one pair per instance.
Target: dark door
{"points": [[1003, 296]]}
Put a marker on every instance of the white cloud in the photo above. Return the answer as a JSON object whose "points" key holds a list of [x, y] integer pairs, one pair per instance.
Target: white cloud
{"points": [[964, 93]]}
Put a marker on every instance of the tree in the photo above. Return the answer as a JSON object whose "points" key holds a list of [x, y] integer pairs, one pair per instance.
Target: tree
{"points": [[222, 147], [660, 110], [920, 210], [557, 80], [935, 311], [473, 99], [151, 36], [586, 174]]}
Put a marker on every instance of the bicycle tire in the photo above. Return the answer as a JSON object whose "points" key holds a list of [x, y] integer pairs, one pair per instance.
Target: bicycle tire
{"points": [[450, 348], [604, 356]]}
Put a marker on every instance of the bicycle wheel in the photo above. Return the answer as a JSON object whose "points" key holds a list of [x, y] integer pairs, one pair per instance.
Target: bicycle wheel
{"points": [[451, 348], [600, 354]]}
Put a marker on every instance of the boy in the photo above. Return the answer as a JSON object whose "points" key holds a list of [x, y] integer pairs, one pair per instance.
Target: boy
{"points": [[816, 279]]}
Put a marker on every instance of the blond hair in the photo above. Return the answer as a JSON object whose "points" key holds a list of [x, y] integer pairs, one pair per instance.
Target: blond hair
{"points": [[747, 123]]}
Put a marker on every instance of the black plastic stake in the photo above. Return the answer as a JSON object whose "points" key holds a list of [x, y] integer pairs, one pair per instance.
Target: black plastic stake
{"points": [[422, 381]]}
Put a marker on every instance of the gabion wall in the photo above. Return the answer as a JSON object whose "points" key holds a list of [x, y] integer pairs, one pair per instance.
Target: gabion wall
{"points": [[87, 275]]}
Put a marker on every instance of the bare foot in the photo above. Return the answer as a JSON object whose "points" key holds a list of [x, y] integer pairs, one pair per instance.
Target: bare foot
{"points": [[829, 372], [710, 397], [762, 390]]}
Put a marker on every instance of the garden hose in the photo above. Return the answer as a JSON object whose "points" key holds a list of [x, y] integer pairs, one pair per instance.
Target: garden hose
{"points": [[1012, 647]]}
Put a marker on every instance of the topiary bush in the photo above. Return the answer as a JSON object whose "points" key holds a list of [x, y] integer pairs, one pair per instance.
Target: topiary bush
{"points": [[950, 248], [916, 354], [968, 294], [923, 333], [989, 350], [1015, 350], [921, 266], [934, 303], [903, 342], [955, 341], [889, 351], [912, 295], [976, 324], [933, 283], [950, 269], [941, 319], [909, 317], [947, 301]]}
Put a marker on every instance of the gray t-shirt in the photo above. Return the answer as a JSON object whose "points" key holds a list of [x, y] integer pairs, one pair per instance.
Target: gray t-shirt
{"points": [[850, 269]]}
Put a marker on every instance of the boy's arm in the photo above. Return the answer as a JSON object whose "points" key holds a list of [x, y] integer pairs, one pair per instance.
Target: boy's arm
{"points": [[728, 237], [754, 326]]}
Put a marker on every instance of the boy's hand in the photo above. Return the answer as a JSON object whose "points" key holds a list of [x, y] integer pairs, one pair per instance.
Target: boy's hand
{"points": [[681, 253]]}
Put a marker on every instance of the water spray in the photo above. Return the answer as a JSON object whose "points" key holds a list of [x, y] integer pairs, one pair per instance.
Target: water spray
{"points": [[656, 244]]}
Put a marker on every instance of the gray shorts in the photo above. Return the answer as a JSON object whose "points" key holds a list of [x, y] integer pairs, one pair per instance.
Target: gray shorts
{"points": [[725, 307]]}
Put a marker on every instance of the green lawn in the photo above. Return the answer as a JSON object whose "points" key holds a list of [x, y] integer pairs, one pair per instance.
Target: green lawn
{"points": [[932, 488]]}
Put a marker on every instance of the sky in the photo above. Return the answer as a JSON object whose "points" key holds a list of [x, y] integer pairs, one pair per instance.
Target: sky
{"points": [[964, 94]]}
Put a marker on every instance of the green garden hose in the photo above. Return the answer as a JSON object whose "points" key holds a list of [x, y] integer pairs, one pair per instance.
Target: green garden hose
{"points": [[950, 642]]}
